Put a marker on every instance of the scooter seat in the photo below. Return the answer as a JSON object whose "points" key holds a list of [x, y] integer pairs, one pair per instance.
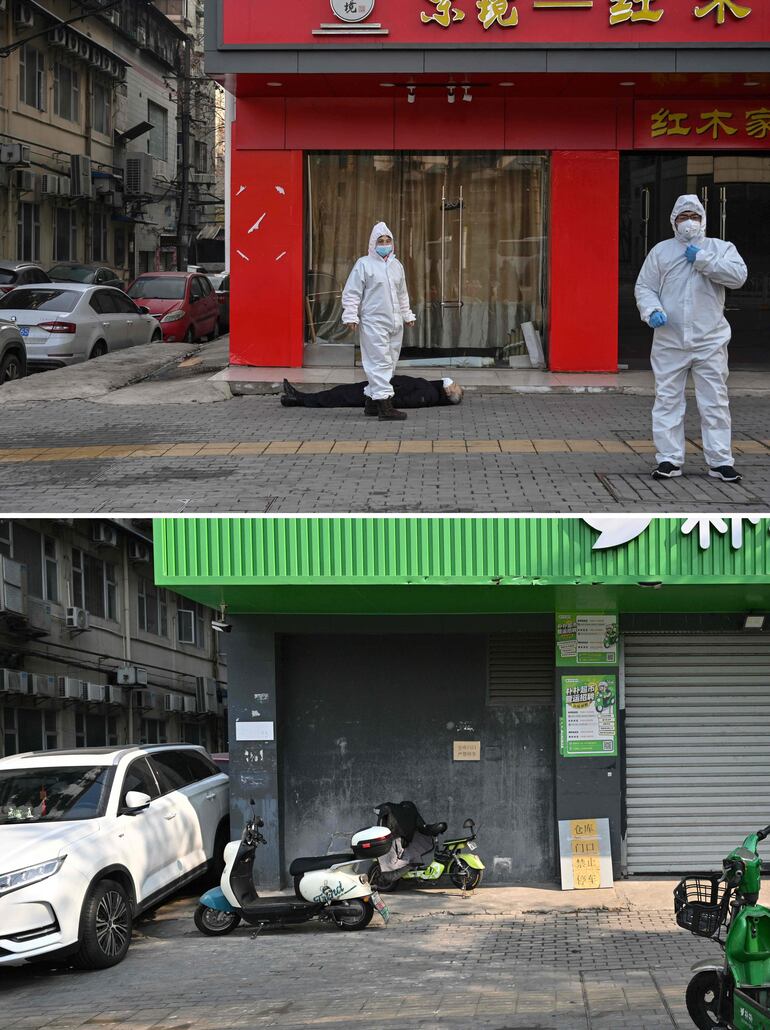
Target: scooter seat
{"points": [[434, 829], [307, 865]]}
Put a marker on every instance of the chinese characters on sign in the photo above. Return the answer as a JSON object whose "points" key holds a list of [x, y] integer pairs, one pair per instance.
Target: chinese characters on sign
{"points": [[505, 12], [725, 124], [589, 726], [586, 854], [586, 638]]}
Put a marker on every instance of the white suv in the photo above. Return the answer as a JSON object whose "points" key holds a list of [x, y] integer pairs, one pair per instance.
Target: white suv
{"points": [[89, 838]]}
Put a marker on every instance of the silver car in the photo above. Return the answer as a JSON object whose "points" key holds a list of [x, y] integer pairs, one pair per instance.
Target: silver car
{"points": [[63, 324]]}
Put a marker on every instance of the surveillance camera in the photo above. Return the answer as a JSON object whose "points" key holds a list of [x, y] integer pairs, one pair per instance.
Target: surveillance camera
{"points": [[220, 626]]}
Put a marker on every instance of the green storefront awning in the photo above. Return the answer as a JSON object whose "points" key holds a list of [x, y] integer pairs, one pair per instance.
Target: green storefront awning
{"points": [[398, 565]]}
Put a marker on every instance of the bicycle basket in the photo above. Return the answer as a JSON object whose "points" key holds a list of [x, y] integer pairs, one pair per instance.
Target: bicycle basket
{"points": [[701, 904]]}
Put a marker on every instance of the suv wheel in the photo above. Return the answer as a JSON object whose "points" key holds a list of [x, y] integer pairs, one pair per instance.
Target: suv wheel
{"points": [[11, 367], [106, 924]]}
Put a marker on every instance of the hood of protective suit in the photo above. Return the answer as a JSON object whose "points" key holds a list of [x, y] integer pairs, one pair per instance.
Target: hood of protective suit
{"points": [[689, 202], [380, 229]]}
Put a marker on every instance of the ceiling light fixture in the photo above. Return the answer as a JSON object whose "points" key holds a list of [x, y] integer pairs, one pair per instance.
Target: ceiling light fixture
{"points": [[627, 83], [410, 94], [275, 83], [387, 85], [752, 83], [467, 95], [506, 84], [754, 622], [450, 94]]}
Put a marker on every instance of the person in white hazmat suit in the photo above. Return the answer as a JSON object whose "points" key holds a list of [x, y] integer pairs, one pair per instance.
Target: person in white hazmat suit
{"points": [[680, 293], [375, 299]]}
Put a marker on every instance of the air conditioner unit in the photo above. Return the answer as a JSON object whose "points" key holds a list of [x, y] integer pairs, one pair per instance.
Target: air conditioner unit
{"points": [[138, 550], [173, 702], [23, 16], [14, 681], [138, 174], [145, 699], [103, 186], [25, 181], [54, 185], [14, 154], [13, 595], [84, 49], [190, 704], [206, 690], [80, 171], [58, 36], [71, 689], [94, 693], [43, 686], [131, 676], [115, 68], [78, 618], [104, 533], [73, 43], [114, 695], [39, 615], [141, 35]]}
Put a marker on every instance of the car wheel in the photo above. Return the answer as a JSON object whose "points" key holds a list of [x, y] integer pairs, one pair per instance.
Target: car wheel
{"points": [[215, 332], [11, 367], [106, 923], [189, 336], [98, 350], [157, 336]]}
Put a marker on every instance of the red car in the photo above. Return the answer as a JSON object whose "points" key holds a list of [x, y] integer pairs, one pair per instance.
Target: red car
{"points": [[184, 303]]}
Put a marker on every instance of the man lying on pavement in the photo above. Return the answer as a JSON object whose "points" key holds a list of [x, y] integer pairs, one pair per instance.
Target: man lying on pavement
{"points": [[409, 392]]}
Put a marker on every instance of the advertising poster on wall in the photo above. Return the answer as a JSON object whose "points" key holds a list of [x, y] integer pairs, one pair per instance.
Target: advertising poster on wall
{"points": [[589, 726], [587, 638]]}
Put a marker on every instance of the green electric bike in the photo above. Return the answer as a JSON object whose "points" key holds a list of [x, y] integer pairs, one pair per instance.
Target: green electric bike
{"points": [[736, 994]]}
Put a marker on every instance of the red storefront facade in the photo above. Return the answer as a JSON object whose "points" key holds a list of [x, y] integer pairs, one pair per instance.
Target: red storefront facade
{"points": [[584, 119]]}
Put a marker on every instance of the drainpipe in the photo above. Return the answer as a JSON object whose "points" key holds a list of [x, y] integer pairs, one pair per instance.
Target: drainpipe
{"points": [[127, 635], [229, 119]]}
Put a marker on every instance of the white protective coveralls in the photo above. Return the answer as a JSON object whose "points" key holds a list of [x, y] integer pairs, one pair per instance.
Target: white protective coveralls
{"points": [[696, 335], [375, 298]]}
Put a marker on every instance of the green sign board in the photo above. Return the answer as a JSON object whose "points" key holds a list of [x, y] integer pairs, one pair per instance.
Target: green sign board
{"points": [[589, 716], [587, 638]]}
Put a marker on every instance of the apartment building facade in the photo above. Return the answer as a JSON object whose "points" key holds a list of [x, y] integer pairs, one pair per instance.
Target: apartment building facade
{"points": [[91, 652]]}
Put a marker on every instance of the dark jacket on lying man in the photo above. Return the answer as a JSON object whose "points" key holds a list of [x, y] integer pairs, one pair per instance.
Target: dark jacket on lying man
{"points": [[409, 392]]}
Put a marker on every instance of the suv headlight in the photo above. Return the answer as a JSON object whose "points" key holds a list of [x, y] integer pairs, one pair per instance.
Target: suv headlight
{"points": [[173, 316], [31, 874]]}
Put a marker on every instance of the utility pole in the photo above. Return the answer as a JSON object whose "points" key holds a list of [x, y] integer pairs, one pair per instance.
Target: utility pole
{"points": [[184, 78]]}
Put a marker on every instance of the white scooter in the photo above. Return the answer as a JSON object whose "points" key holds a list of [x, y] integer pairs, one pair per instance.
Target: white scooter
{"points": [[340, 893]]}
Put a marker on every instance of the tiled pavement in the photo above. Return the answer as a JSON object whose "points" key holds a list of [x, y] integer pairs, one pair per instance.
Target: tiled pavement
{"points": [[584, 970], [495, 453]]}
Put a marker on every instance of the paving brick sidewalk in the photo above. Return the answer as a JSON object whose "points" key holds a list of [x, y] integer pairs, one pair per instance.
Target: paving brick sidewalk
{"points": [[229, 465], [562, 970]]}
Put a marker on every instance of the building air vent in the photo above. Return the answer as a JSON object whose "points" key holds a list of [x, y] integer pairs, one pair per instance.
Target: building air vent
{"points": [[138, 178], [520, 669], [80, 173]]}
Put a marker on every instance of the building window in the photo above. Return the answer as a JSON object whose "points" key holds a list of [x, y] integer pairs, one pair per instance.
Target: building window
{"points": [[102, 108], [5, 537], [153, 731], [28, 232], [153, 608], [66, 92], [95, 730], [99, 235], [194, 733], [201, 157], [65, 234], [191, 624], [29, 729], [32, 77], [94, 585], [157, 138], [38, 553]]}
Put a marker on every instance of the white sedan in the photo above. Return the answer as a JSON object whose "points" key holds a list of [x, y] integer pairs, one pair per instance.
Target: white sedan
{"points": [[66, 323], [90, 838]]}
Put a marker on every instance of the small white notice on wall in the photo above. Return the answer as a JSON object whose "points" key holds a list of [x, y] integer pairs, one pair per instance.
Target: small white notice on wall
{"points": [[254, 731], [466, 750]]}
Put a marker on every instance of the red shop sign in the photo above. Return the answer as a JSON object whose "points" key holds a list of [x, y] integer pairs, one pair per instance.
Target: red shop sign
{"points": [[702, 125], [494, 22]]}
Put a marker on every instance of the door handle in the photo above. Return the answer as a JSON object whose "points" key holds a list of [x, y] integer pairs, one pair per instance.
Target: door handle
{"points": [[106, 325], [211, 796], [171, 815]]}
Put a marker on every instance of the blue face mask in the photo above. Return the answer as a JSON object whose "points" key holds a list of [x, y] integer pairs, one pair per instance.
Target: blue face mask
{"points": [[384, 249]]}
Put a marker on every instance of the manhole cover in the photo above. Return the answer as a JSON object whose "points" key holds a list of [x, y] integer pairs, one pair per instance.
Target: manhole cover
{"points": [[684, 494]]}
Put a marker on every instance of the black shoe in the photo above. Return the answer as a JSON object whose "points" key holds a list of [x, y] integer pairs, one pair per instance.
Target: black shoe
{"points": [[666, 471], [291, 398], [387, 413], [726, 473], [290, 402], [370, 406]]}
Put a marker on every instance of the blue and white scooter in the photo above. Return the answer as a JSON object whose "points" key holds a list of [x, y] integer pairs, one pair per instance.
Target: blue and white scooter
{"points": [[340, 893]]}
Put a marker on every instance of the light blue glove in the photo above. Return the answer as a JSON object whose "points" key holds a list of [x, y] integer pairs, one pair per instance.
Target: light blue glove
{"points": [[657, 319], [691, 253]]}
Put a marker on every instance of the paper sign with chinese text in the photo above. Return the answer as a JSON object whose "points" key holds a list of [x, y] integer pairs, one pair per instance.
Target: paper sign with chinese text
{"points": [[466, 750], [702, 125], [589, 722], [586, 854]]}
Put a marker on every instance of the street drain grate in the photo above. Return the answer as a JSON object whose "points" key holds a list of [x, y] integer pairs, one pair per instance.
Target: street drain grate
{"points": [[642, 491]]}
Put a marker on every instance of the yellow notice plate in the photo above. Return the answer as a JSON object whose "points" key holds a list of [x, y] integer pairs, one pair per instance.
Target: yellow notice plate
{"points": [[586, 847], [586, 873], [583, 828]]}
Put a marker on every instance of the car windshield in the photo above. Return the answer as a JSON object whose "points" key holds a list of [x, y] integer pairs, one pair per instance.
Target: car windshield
{"points": [[72, 273], [159, 288], [53, 794], [40, 300], [7, 276]]}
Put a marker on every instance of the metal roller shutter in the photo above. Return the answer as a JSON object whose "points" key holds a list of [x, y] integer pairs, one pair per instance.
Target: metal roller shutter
{"points": [[697, 747]]}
